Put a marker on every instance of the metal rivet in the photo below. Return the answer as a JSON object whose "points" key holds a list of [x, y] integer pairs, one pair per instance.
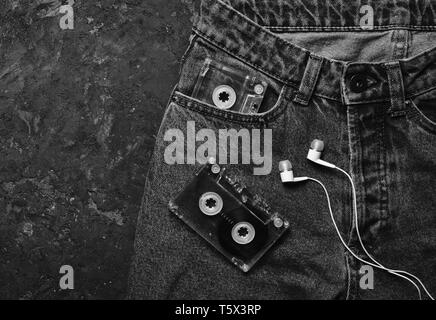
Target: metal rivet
{"points": [[359, 83]]}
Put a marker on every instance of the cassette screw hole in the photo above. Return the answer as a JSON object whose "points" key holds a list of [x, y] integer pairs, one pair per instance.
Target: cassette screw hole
{"points": [[243, 232], [278, 223], [210, 203], [215, 168], [224, 96]]}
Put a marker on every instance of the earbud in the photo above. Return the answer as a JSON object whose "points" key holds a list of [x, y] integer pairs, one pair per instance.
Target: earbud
{"points": [[286, 173], [314, 154]]}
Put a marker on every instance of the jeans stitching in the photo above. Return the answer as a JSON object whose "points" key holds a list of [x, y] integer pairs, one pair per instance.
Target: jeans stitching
{"points": [[309, 82], [414, 114], [382, 168], [244, 60], [291, 84], [353, 28], [347, 265], [265, 29]]}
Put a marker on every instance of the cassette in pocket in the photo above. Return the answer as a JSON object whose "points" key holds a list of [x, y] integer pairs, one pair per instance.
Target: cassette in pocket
{"points": [[237, 223], [228, 88]]}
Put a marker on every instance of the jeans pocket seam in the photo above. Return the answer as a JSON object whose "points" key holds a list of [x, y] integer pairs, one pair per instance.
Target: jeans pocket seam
{"points": [[416, 115]]}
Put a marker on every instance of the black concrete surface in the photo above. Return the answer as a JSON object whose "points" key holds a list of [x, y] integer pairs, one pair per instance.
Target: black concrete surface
{"points": [[79, 110]]}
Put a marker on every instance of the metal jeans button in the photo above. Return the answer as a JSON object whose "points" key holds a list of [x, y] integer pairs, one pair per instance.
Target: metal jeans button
{"points": [[359, 83]]}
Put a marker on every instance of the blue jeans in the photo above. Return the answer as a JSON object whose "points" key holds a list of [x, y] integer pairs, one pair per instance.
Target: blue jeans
{"points": [[363, 79]]}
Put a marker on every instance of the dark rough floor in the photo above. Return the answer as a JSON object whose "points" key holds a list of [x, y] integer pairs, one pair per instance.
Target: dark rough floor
{"points": [[78, 113]]}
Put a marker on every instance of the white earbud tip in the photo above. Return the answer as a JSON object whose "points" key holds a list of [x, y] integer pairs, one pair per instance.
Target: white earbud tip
{"points": [[285, 165], [317, 145]]}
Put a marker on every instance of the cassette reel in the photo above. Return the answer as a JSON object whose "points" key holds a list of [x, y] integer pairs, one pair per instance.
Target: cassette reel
{"points": [[228, 88], [220, 209]]}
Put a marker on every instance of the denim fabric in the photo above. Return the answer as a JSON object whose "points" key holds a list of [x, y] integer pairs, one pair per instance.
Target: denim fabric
{"points": [[369, 93]]}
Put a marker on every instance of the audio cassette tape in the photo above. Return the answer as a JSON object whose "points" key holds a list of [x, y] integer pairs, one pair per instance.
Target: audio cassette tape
{"points": [[228, 88], [220, 209]]}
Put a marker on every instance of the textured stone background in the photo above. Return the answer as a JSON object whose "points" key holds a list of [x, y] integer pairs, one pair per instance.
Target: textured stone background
{"points": [[78, 113]]}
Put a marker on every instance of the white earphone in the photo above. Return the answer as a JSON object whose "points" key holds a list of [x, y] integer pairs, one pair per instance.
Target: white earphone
{"points": [[315, 151], [286, 173], [314, 155]]}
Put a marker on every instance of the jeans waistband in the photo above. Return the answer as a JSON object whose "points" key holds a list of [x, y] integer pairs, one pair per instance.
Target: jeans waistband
{"points": [[242, 29], [340, 14]]}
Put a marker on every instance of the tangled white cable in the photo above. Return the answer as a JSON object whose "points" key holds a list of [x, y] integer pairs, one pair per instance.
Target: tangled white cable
{"points": [[393, 271], [314, 154]]}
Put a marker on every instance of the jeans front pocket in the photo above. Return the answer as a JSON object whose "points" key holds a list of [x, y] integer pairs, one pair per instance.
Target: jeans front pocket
{"points": [[215, 83]]}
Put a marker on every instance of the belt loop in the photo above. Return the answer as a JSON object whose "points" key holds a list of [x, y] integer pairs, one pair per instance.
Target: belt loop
{"points": [[396, 89], [309, 81]]}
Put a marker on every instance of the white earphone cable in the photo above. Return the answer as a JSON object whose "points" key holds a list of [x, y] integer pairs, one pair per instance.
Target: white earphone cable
{"points": [[351, 251], [397, 272]]}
